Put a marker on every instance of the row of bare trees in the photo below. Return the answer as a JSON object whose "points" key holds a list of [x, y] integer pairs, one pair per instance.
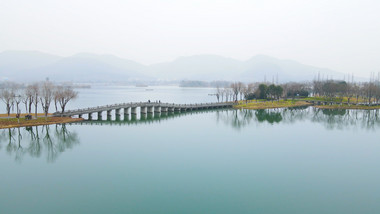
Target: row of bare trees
{"points": [[235, 91], [239, 91], [43, 93], [369, 91]]}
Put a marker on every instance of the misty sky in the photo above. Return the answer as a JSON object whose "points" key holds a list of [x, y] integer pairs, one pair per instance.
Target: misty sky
{"points": [[342, 35]]}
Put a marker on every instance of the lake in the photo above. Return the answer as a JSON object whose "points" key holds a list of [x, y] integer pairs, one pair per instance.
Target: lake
{"points": [[299, 160]]}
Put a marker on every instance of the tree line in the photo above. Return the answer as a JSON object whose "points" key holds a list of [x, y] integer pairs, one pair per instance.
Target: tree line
{"points": [[368, 92], [44, 94], [239, 91]]}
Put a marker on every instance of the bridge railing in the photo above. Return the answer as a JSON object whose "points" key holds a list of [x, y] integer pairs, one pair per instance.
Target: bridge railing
{"points": [[140, 104]]}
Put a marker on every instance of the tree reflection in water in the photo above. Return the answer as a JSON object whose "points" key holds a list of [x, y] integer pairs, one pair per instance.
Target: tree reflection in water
{"points": [[330, 118], [270, 116], [35, 141], [55, 139], [341, 119]]}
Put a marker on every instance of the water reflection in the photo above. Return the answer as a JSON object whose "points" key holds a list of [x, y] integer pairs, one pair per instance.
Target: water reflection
{"points": [[271, 117], [340, 119], [36, 141], [149, 118], [330, 118], [51, 141]]}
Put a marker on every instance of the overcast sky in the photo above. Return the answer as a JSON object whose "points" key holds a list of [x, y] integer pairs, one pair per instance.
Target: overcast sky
{"points": [[343, 35]]}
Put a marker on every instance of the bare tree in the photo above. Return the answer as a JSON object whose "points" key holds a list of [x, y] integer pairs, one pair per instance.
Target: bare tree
{"points": [[227, 92], [65, 94], [222, 92], [236, 89], [7, 95], [218, 92], [57, 95], [242, 88], [35, 93], [25, 100], [317, 87], [18, 99], [29, 97], [47, 95], [355, 88], [249, 89]]}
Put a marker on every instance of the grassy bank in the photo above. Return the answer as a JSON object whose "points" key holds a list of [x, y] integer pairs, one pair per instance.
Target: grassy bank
{"points": [[270, 104], [345, 106], [12, 122]]}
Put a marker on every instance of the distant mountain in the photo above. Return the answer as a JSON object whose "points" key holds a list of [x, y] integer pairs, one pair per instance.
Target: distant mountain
{"points": [[77, 68], [117, 62], [17, 64], [212, 67], [199, 67], [34, 65], [26, 59], [261, 66]]}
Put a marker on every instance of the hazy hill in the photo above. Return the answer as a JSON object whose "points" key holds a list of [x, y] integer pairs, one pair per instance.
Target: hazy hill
{"points": [[261, 66], [77, 68], [33, 65], [117, 62], [26, 59], [212, 67], [17, 64], [198, 67]]}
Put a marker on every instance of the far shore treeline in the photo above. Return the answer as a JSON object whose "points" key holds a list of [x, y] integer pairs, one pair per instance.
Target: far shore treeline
{"points": [[318, 89], [22, 97]]}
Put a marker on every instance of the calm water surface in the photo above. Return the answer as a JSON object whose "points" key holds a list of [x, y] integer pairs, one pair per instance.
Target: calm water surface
{"points": [[223, 161]]}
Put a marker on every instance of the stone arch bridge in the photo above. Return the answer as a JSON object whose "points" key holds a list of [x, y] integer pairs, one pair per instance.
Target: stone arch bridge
{"points": [[143, 107]]}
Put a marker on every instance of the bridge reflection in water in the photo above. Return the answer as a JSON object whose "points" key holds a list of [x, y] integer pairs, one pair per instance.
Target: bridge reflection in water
{"points": [[240, 118], [140, 107], [144, 118]]}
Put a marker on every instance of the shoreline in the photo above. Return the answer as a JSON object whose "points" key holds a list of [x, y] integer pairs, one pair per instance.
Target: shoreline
{"points": [[12, 122], [348, 107], [300, 103]]}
